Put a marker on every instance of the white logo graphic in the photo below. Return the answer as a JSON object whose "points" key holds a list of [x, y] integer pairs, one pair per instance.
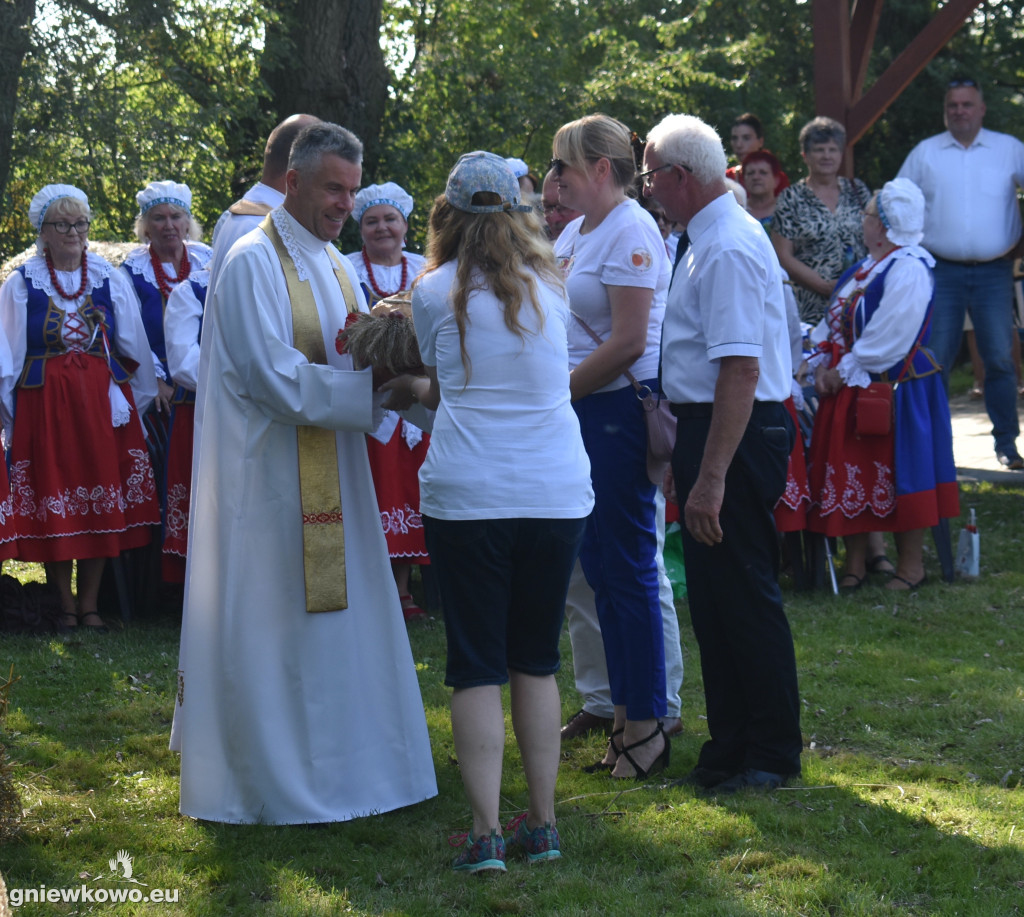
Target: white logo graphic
{"points": [[121, 861], [120, 868]]}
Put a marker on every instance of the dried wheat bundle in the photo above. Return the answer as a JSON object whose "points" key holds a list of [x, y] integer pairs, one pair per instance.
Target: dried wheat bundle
{"points": [[385, 337]]}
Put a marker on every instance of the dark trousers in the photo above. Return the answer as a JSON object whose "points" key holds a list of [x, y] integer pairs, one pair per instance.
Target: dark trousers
{"points": [[746, 648]]}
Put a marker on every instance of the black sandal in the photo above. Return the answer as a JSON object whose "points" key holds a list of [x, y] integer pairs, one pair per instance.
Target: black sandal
{"points": [[874, 565], [100, 628], [598, 766], [657, 765]]}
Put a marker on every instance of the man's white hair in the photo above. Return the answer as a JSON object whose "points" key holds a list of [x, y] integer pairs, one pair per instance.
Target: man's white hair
{"points": [[686, 140]]}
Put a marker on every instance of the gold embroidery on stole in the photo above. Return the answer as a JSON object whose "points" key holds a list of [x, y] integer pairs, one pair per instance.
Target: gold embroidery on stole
{"points": [[323, 531]]}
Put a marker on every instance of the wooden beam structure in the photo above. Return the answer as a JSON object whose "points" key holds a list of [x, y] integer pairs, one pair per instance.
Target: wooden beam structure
{"points": [[842, 51]]}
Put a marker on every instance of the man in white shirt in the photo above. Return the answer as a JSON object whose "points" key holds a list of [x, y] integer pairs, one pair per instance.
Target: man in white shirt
{"points": [[297, 694], [726, 369], [970, 176], [245, 214]]}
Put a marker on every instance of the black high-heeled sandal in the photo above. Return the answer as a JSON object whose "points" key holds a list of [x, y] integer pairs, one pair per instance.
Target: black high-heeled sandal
{"points": [[657, 765], [598, 766]]}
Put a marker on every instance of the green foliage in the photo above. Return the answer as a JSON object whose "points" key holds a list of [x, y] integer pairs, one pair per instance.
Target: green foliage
{"points": [[125, 94], [120, 92]]}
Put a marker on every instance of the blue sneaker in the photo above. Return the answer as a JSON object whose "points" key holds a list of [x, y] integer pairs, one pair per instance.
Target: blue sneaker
{"points": [[482, 855], [539, 845]]}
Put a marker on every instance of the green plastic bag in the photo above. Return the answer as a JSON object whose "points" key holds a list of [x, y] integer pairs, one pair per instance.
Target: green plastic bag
{"points": [[674, 565]]}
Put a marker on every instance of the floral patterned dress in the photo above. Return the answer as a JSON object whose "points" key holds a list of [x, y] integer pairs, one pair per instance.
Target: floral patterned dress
{"points": [[826, 242]]}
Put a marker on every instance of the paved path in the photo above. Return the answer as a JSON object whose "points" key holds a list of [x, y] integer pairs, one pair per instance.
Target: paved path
{"points": [[973, 448]]}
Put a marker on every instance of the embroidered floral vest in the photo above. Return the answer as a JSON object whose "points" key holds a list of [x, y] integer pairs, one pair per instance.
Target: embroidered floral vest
{"points": [[93, 327], [153, 305]]}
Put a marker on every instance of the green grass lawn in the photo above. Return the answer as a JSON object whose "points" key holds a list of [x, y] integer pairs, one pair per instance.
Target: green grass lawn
{"points": [[911, 801]]}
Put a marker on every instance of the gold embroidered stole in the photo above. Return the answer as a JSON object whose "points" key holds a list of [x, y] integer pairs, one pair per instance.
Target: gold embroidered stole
{"points": [[323, 532], [247, 208]]}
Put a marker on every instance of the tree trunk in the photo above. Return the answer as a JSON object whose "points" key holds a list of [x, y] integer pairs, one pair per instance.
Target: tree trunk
{"points": [[15, 25], [323, 57]]}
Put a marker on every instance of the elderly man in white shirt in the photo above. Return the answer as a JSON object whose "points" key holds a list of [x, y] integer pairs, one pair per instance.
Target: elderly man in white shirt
{"points": [[970, 176], [726, 369]]}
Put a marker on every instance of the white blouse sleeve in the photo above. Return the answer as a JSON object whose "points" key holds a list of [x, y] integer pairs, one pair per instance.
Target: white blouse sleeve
{"points": [[13, 316], [892, 331], [182, 322]]}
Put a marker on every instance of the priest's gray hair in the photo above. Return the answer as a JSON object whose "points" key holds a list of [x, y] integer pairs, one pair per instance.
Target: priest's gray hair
{"points": [[318, 140], [687, 141]]}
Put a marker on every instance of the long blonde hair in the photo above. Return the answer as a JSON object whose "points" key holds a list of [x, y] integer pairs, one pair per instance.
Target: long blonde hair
{"points": [[503, 252]]}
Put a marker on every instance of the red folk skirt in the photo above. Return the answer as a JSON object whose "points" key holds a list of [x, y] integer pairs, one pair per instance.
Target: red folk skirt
{"points": [[395, 468], [80, 487], [8, 528], [791, 510], [179, 492]]}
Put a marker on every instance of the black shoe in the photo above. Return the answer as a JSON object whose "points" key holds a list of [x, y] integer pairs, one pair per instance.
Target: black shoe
{"points": [[750, 779], [1010, 458], [703, 778], [584, 723]]}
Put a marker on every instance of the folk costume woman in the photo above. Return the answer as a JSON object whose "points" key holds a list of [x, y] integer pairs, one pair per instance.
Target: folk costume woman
{"points": [[183, 319], [81, 374], [8, 530], [876, 330], [397, 449], [169, 256]]}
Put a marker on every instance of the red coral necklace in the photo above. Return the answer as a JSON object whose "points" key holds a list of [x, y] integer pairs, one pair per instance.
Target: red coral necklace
{"points": [[70, 297], [373, 280], [162, 280]]}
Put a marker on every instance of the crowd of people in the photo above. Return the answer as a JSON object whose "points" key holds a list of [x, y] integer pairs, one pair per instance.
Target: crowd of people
{"points": [[303, 484]]}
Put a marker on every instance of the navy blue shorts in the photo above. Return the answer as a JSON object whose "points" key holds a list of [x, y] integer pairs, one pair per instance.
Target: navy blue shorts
{"points": [[503, 584]]}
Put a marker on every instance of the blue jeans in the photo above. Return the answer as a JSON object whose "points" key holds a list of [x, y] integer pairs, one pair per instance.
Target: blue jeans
{"points": [[986, 290], [619, 552]]}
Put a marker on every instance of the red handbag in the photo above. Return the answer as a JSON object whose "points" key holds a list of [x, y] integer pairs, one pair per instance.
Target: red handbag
{"points": [[873, 411]]}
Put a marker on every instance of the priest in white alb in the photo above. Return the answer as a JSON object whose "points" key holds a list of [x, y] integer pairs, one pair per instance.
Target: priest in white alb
{"points": [[297, 694]]}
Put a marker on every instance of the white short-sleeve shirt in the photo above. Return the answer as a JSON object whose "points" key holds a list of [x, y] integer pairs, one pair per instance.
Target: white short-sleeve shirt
{"points": [[506, 442], [726, 300], [625, 249]]}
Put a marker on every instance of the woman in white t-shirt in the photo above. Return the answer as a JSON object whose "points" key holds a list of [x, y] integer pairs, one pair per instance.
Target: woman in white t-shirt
{"points": [[504, 491], [617, 275]]}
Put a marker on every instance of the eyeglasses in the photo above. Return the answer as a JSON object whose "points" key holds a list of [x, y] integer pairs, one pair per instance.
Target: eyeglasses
{"points": [[553, 208], [962, 82], [647, 178], [64, 227], [556, 166]]}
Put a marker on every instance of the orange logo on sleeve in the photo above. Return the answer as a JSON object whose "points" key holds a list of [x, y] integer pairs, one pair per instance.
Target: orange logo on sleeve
{"points": [[640, 259]]}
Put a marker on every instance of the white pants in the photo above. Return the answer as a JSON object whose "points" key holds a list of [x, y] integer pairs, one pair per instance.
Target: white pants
{"points": [[588, 660]]}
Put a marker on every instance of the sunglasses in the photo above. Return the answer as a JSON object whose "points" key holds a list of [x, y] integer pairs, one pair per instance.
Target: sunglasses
{"points": [[962, 82]]}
